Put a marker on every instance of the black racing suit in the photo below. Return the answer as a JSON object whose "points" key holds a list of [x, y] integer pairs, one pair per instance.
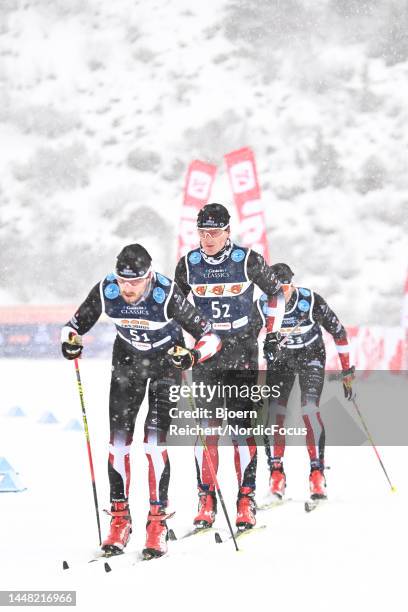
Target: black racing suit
{"points": [[145, 332], [303, 355], [222, 289]]}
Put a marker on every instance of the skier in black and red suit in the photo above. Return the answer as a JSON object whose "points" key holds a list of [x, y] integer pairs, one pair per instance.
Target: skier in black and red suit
{"points": [[303, 355], [221, 277], [149, 312]]}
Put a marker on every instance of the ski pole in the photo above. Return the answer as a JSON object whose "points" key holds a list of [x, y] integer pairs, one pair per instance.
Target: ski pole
{"points": [[212, 470], [353, 399], [88, 444]]}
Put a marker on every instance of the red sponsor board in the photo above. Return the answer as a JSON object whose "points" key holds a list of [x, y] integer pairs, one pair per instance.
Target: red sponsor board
{"points": [[23, 328], [247, 195], [200, 178]]}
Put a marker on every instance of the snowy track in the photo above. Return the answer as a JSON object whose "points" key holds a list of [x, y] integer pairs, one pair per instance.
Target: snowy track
{"points": [[349, 554]]}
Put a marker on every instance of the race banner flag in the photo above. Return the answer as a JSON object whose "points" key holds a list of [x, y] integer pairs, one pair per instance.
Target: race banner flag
{"points": [[404, 312], [247, 195], [404, 321], [200, 178]]}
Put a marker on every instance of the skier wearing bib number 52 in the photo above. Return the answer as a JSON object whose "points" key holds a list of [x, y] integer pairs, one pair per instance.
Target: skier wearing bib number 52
{"points": [[221, 277], [149, 312]]}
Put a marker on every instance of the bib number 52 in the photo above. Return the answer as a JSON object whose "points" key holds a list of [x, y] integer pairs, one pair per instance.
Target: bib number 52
{"points": [[220, 310]]}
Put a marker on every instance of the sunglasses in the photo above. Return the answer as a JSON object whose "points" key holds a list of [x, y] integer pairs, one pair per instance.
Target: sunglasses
{"points": [[215, 233], [133, 282]]}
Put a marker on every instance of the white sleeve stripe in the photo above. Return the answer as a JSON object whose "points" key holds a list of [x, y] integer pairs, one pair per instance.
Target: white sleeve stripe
{"points": [[207, 346], [343, 348], [271, 312], [278, 318]]}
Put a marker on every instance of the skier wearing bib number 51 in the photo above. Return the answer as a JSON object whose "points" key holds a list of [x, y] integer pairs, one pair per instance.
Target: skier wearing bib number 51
{"points": [[221, 277], [149, 312]]}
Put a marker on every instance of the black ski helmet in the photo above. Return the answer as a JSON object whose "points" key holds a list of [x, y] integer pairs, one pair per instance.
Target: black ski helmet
{"points": [[213, 216], [283, 273], [133, 262]]}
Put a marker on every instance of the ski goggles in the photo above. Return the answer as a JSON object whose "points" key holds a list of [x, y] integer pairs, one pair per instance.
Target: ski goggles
{"points": [[211, 233]]}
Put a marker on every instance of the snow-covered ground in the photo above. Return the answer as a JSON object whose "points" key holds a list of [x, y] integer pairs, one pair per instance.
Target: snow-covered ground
{"points": [[102, 107], [348, 555]]}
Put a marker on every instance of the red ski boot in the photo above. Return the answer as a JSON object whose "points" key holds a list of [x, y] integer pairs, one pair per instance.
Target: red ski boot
{"points": [[120, 529], [317, 483], [156, 533], [277, 481], [246, 509], [207, 509]]}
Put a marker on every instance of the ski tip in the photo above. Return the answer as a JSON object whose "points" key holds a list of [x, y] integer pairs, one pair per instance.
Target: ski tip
{"points": [[107, 567], [310, 505], [172, 535], [217, 538], [65, 565]]}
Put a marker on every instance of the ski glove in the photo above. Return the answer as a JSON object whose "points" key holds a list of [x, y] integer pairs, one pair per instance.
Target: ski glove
{"points": [[348, 377], [272, 346], [183, 358], [71, 343]]}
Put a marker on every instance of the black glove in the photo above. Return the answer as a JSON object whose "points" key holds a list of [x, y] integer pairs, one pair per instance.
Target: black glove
{"points": [[348, 377], [73, 348], [183, 358], [272, 346]]}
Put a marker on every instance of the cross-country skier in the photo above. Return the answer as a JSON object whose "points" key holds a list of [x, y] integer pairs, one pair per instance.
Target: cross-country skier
{"points": [[149, 312], [221, 277], [303, 354]]}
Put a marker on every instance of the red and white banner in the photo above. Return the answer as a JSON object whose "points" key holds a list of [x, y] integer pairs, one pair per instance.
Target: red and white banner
{"points": [[404, 321], [200, 178], [371, 348], [404, 311], [247, 195]]}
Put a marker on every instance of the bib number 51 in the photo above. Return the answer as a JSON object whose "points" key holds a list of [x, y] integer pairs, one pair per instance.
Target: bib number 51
{"points": [[138, 336]]}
